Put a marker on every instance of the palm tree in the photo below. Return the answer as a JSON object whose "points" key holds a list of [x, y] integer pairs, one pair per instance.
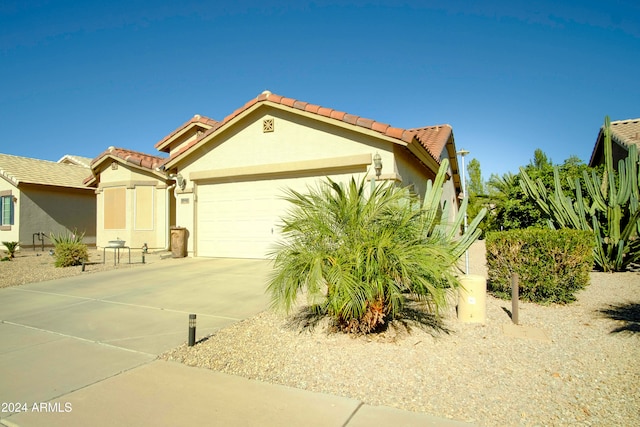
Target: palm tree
{"points": [[359, 257], [11, 248]]}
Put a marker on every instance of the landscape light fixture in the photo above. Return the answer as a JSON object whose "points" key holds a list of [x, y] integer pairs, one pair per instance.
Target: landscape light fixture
{"points": [[463, 153], [192, 330]]}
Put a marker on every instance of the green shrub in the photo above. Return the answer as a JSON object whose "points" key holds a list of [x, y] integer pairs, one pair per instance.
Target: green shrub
{"points": [[11, 248], [552, 264], [69, 249], [358, 257], [70, 254]]}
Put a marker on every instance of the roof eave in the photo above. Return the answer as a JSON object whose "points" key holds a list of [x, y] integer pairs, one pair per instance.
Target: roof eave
{"points": [[96, 163], [164, 144], [400, 136]]}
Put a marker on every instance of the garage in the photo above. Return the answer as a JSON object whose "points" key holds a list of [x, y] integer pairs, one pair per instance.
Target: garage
{"points": [[242, 219]]}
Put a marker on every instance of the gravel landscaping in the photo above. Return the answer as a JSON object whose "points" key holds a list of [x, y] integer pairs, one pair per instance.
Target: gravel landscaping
{"points": [[31, 266], [583, 370]]}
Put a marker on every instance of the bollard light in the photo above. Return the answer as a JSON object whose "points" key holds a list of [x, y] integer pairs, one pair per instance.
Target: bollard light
{"points": [[192, 330]]}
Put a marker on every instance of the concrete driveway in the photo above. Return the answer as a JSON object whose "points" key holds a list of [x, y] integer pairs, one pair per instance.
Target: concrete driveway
{"points": [[62, 335], [81, 351]]}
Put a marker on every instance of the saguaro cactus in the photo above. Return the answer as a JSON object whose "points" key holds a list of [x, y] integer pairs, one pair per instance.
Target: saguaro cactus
{"points": [[611, 212]]}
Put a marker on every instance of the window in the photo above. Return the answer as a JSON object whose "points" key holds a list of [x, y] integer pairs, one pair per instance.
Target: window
{"points": [[6, 210], [144, 207], [115, 208]]}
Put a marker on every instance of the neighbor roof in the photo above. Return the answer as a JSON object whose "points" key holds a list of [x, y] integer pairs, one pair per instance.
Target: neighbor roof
{"points": [[24, 170], [626, 132], [76, 160], [623, 132], [432, 138]]}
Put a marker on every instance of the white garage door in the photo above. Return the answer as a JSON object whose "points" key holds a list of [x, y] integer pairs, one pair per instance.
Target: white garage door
{"points": [[241, 219]]}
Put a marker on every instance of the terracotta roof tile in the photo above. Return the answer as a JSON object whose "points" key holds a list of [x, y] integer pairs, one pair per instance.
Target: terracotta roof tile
{"points": [[286, 101], [311, 108], [394, 132], [379, 127], [323, 111], [432, 138], [365, 123], [195, 119], [338, 115], [136, 158], [274, 98], [300, 105]]}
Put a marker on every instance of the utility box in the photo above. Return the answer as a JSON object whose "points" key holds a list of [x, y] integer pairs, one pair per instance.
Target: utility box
{"points": [[472, 299], [178, 242]]}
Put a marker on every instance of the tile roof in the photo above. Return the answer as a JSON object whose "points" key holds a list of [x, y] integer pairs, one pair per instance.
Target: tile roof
{"points": [[626, 132], [143, 160], [195, 120], [432, 138], [24, 170]]}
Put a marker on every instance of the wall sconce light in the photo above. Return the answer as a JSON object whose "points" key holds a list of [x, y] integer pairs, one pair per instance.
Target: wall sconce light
{"points": [[377, 164]]}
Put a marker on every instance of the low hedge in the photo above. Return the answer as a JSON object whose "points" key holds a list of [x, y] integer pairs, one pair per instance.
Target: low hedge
{"points": [[552, 264], [69, 254]]}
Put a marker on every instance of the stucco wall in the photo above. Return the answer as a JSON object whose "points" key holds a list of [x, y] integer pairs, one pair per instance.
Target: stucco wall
{"points": [[144, 211], [11, 233], [56, 210], [295, 138]]}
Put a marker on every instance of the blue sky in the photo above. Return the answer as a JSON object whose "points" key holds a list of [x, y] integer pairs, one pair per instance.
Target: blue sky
{"points": [[510, 77]]}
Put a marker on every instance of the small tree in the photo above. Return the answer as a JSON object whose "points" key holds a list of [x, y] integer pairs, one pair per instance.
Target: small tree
{"points": [[359, 257], [11, 248]]}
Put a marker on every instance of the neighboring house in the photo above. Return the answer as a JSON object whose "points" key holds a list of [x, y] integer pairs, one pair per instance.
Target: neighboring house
{"points": [[230, 175], [134, 201], [623, 134], [76, 160], [39, 196]]}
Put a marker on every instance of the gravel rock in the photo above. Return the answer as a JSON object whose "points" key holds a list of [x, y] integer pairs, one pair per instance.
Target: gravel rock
{"points": [[586, 373], [37, 266]]}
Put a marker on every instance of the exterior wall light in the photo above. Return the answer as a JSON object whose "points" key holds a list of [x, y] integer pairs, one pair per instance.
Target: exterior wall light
{"points": [[377, 164]]}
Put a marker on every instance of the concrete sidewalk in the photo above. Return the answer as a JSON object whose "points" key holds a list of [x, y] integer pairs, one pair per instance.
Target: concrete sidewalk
{"points": [[163, 393], [82, 351]]}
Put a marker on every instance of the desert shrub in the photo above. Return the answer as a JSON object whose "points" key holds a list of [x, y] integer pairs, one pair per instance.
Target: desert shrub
{"points": [[358, 257], [69, 249], [552, 264], [11, 248]]}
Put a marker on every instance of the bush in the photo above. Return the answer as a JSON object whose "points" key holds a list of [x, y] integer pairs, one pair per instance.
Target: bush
{"points": [[11, 248], [69, 249], [552, 264], [358, 257]]}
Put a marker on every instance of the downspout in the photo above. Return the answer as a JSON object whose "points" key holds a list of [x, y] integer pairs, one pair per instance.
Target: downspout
{"points": [[167, 216]]}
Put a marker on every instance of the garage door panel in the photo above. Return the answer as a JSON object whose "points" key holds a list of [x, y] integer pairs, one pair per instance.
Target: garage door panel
{"points": [[242, 219]]}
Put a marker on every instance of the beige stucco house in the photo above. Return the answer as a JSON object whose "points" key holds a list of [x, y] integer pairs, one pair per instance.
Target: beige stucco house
{"points": [[223, 181], [39, 196], [134, 199]]}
